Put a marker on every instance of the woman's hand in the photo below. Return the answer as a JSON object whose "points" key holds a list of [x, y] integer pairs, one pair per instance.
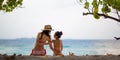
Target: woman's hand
{"points": [[46, 43]]}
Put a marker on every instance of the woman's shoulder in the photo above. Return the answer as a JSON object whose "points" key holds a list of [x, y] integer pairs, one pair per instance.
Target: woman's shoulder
{"points": [[39, 33]]}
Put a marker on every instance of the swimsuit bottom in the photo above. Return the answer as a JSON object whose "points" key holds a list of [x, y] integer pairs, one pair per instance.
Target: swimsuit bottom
{"points": [[38, 52]]}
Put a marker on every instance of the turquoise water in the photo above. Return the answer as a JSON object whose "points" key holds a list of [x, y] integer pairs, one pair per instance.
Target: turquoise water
{"points": [[78, 47]]}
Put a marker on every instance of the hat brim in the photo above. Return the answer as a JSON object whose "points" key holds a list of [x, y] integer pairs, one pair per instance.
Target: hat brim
{"points": [[49, 29]]}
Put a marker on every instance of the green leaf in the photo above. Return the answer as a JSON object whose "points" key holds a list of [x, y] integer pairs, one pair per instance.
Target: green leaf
{"points": [[96, 15], [108, 10], [0, 7], [96, 10], [1, 2], [94, 3], [103, 10], [10, 5], [86, 5], [100, 2], [80, 0]]}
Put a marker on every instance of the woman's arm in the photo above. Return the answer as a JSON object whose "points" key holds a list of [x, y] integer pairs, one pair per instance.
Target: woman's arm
{"points": [[50, 44], [46, 43]]}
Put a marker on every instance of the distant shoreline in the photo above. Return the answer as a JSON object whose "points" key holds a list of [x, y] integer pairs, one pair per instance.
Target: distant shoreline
{"points": [[62, 39]]}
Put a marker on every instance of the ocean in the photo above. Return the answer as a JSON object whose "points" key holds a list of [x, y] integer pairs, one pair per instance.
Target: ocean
{"points": [[77, 46]]}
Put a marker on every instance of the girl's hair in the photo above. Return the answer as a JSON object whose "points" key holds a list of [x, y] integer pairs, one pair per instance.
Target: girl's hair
{"points": [[58, 33], [46, 32]]}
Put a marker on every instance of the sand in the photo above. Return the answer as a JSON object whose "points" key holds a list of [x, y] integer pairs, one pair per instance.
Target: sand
{"points": [[89, 57]]}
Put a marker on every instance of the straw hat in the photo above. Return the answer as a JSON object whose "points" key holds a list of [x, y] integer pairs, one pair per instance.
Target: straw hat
{"points": [[47, 27]]}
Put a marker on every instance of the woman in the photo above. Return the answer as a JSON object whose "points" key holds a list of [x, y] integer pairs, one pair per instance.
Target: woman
{"points": [[42, 37]]}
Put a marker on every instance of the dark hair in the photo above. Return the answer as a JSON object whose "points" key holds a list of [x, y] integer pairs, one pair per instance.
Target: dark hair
{"points": [[46, 32], [58, 33]]}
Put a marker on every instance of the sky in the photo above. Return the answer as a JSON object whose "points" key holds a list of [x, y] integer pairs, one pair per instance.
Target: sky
{"points": [[62, 15]]}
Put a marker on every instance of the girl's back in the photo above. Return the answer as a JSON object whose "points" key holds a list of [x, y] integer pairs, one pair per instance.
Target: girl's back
{"points": [[57, 44]]}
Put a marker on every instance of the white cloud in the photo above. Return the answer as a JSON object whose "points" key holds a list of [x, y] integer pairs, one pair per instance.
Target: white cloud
{"points": [[64, 15]]}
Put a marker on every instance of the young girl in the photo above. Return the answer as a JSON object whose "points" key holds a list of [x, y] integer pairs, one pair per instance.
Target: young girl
{"points": [[57, 43]]}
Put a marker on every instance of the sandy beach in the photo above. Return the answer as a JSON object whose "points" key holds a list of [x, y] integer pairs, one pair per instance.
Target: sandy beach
{"points": [[89, 57]]}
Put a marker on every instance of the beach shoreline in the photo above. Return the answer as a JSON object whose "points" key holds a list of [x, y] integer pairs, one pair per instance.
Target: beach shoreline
{"points": [[47, 57]]}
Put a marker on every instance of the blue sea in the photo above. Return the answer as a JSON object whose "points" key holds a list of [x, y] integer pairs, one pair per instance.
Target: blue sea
{"points": [[77, 46]]}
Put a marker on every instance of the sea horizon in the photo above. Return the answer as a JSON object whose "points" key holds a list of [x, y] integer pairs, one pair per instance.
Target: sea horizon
{"points": [[78, 47], [25, 38]]}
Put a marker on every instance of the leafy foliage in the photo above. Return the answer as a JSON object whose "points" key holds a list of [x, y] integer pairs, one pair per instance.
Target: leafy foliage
{"points": [[9, 5], [106, 6], [86, 5]]}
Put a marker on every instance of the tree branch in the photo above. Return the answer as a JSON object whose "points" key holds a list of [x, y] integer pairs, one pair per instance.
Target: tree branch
{"points": [[113, 18], [118, 14], [89, 10]]}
